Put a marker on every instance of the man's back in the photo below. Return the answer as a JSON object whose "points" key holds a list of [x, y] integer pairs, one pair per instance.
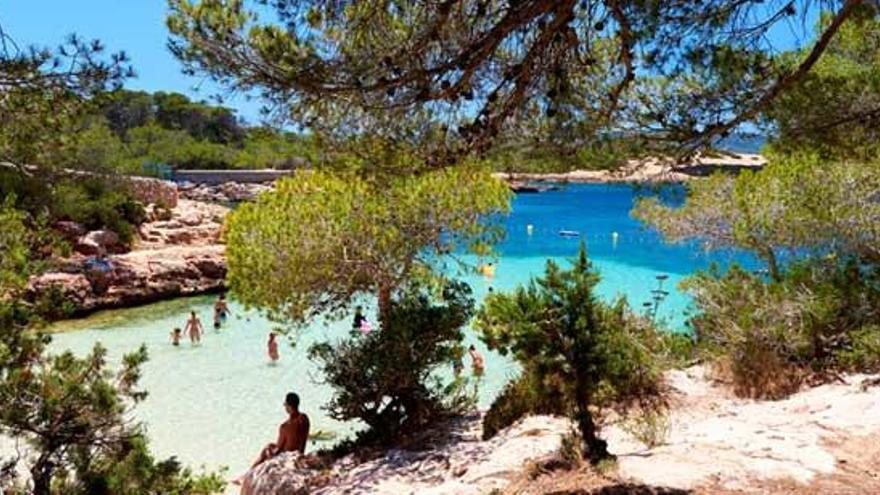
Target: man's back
{"points": [[294, 434]]}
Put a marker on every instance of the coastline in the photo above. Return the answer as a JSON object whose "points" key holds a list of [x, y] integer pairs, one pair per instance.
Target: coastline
{"points": [[181, 253], [644, 171]]}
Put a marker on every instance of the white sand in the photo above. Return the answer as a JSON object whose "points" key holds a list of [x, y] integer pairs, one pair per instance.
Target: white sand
{"points": [[716, 437]]}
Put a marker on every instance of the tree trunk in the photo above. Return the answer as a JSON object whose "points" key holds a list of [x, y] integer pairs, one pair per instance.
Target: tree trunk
{"points": [[41, 474], [595, 449], [384, 305], [772, 265]]}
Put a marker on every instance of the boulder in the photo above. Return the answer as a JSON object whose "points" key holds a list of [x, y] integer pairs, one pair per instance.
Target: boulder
{"points": [[88, 248], [70, 231], [74, 287], [98, 242], [148, 190]]}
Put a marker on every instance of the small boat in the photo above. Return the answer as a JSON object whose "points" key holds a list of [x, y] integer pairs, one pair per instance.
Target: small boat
{"points": [[569, 233]]}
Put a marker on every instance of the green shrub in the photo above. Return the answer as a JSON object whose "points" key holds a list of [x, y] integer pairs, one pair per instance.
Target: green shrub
{"points": [[862, 351], [521, 397], [650, 426], [387, 378], [569, 449], [557, 328], [771, 334], [96, 204]]}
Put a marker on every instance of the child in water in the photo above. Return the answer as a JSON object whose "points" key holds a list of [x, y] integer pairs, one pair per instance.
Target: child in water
{"points": [[365, 326], [175, 336], [272, 347]]}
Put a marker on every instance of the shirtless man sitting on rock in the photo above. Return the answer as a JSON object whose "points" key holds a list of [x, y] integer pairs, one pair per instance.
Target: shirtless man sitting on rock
{"points": [[292, 437]]}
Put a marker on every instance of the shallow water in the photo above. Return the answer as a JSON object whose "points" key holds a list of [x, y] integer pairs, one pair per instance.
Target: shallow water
{"points": [[218, 403]]}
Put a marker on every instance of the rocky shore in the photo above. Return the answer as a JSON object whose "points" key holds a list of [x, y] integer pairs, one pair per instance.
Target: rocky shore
{"points": [[647, 171], [821, 440], [179, 249], [226, 193], [178, 252]]}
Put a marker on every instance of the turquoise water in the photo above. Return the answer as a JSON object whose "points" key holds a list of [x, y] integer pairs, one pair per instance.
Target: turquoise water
{"points": [[218, 403]]}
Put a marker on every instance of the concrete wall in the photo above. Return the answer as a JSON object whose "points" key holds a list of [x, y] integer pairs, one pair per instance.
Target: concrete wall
{"points": [[215, 177]]}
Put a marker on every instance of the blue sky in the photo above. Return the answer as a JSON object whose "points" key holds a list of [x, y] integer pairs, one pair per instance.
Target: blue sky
{"points": [[136, 26]]}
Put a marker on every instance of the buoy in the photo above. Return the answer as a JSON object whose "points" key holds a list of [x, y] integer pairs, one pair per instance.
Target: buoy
{"points": [[529, 229]]}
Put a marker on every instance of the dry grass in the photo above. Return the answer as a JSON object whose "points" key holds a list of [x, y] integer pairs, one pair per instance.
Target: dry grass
{"points": [[762, 374]]}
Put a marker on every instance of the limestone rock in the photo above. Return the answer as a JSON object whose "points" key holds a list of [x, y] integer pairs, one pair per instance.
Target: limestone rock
{"points": [[452, 460], [176, 255], [99, 242], [74, 287], [70, 231]]}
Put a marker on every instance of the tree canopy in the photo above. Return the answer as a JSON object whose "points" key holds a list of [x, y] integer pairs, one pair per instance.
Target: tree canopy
{"points": [[796, 203], [686, 71], [43, 93], [835, 110], [326, 237]]}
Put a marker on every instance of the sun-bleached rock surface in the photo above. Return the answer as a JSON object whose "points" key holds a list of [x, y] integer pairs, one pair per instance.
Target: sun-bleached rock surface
{"points": [[717, 443], [179, 253], [457, 463], [228, 192], [718, 438]]}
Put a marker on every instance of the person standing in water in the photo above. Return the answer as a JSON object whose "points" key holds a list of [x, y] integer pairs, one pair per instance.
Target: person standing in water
{"points": [[272, 347], [194, 328], [476, 361], [221, 311], [175, 336], [359, 318]]}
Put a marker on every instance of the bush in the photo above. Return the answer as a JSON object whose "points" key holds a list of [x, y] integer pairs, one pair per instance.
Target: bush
{"points": [[387, 378], [861, 352], [556, 327], [650, 426], [95, 204], [521, 397], [770, 335]]}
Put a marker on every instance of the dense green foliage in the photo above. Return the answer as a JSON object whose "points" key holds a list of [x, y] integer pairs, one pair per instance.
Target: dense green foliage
{"points": [[797, 204], [680, 71], [835, 110], [527, 394], [388, 378], [70, 411], [815, 226], [95, 202], [133, 130], [561, 333], [329, 238], [822, 315]]}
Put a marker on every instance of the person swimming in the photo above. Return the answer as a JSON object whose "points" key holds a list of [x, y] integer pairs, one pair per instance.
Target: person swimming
{"points": [[272, 347], [221, 311], [175, 336], [477, 362], [194, 328]]}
